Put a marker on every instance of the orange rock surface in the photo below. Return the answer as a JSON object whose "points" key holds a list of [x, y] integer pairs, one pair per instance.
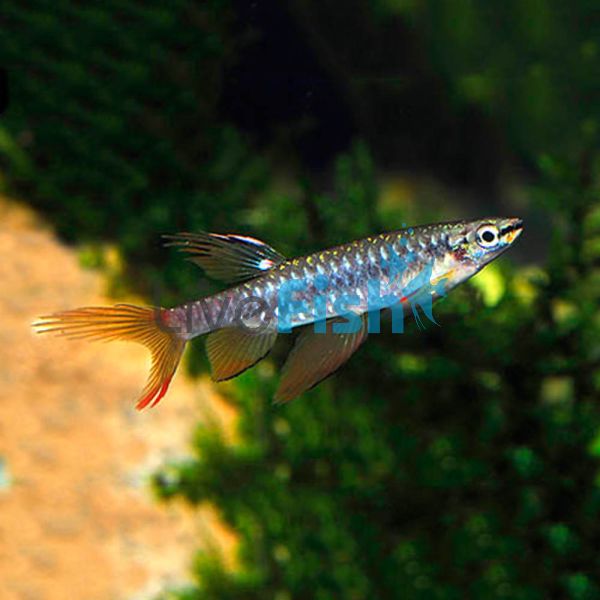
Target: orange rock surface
{"points": [[77, 519]]}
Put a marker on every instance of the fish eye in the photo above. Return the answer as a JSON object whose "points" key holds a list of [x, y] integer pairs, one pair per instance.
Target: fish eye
{"points": [[487, 236]]}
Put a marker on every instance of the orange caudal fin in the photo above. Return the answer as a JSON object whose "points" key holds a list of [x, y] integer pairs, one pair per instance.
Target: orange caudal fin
{"points": [[130, 323]]}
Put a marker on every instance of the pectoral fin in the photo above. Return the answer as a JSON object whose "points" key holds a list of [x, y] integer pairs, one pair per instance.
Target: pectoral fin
{"points": [[229, 258], [316, 356], [232, 350]]}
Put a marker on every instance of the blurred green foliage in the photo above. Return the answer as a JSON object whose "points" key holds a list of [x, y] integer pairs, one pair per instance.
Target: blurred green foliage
{"points": [[111, 127], [457, 462], [528, 64]]}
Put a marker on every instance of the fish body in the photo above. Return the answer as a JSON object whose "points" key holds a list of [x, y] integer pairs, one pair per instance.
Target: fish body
{"points": [[271, 294], [393, 260]]}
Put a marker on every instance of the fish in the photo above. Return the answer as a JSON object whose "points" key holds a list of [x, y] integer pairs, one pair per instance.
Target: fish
{"points": [[328, 296]]}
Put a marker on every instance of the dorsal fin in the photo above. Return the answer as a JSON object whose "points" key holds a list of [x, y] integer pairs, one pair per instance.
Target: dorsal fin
{"points": [[228, 257]]}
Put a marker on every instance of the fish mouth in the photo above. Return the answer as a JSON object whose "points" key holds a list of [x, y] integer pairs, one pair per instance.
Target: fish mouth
{"points": [[512, 230]]}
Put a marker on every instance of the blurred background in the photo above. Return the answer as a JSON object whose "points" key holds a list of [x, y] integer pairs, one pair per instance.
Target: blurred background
{"points": [[456, 462]]}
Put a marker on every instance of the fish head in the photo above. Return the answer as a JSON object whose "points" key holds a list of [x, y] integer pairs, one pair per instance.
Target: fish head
{"points": [[473, 244], [483, 240]]}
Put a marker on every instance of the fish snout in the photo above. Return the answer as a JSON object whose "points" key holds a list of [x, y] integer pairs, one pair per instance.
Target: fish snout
{"points": [[512, 229]]}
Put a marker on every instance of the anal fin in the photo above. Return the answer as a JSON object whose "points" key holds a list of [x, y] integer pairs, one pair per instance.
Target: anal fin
{"points": [[316, 356]]}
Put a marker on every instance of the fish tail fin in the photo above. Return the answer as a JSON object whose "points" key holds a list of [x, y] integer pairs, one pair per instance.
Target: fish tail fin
{"points": [[126, 322]]}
